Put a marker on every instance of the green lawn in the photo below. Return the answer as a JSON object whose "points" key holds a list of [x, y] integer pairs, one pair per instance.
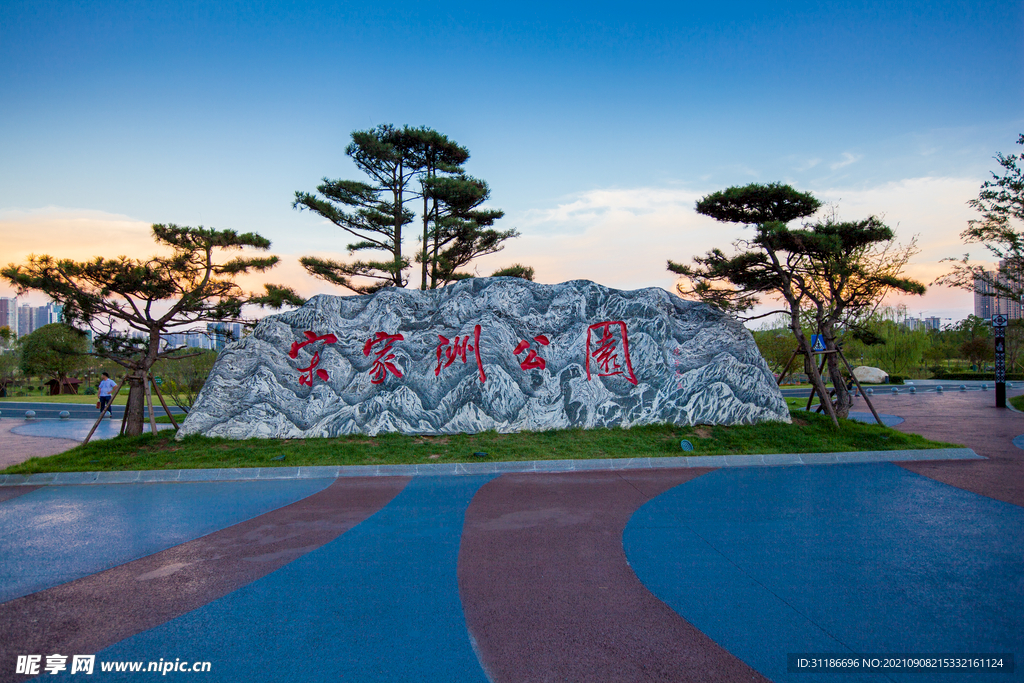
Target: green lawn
{"points": [[809, 433]]}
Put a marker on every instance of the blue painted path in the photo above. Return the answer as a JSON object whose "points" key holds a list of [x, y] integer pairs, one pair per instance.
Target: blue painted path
{"points": [[887, 420], [379, 603], [76, 429], [56, 534], [859, 558]]}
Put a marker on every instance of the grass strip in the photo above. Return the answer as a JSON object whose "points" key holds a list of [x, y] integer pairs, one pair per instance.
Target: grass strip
{"points": [[809, 433]]}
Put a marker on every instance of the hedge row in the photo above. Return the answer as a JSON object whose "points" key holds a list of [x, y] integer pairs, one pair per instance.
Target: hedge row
{"points": [[980, 376]]}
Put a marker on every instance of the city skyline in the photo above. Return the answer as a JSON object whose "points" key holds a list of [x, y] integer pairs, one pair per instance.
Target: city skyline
{"points": [[597, 128]]}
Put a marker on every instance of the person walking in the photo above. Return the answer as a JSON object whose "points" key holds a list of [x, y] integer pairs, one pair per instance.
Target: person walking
{"points": [[107, 386]]}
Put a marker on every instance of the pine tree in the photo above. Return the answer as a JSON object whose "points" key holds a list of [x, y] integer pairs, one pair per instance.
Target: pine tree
{"points": [[829, 271], [130, 304], [405, 165]]}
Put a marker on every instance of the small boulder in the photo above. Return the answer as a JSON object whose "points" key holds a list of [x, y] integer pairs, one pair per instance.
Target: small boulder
{"points": [[866, 374]]}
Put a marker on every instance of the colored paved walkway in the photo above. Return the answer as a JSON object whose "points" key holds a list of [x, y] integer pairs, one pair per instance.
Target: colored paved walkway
{"points": [[18, 448], [695, 574]]}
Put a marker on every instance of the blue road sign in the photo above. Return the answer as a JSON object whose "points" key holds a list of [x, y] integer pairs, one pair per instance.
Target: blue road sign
{"points": [[817, 343]]}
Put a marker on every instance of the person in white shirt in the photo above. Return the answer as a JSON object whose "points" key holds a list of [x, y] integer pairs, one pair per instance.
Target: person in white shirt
{"points": [[107, 386]]}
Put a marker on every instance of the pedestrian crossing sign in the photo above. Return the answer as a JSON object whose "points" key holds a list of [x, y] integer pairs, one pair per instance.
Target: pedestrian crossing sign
{"points": [[817, 343]]}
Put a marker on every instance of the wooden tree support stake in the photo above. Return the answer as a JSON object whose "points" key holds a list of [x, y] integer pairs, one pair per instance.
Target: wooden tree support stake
{"points": [[785, 370], [149, 402], [164, 404], [814, 389], [124, 418], [860, 388]]}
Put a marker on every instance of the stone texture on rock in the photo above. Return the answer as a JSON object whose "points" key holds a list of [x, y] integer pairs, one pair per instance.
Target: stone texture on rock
{"points": [[482, 354], [866, 374]]}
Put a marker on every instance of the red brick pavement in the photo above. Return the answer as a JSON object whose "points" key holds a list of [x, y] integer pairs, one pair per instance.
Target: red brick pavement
{"points": [[15, 448]]}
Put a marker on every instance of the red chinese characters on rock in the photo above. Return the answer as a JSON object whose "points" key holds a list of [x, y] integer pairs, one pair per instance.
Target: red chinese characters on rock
{"points": [[382, 364], [306, 378], [448, 351], [606, 342], [532, 361]]}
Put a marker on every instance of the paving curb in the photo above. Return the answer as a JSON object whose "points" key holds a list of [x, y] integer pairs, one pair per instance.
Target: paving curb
{"points": [[449, 469]]}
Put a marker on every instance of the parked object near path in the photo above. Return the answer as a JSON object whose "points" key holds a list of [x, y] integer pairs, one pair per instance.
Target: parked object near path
{"points": [[866, 374], [500, 354]]}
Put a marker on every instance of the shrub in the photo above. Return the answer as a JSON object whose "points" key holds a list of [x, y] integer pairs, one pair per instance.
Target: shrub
{"points": [[979, 376], [89, 391], [895, 379]]}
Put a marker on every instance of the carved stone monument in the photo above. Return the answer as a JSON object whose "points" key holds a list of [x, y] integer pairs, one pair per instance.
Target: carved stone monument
{"points": [[488, 353]]}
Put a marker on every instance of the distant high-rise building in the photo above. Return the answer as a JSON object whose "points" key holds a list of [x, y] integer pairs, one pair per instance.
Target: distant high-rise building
{"points": [[224, 333], [197, 340], [933, 323], [42, 315], [986, 304], [9, 313], [26, 320]]}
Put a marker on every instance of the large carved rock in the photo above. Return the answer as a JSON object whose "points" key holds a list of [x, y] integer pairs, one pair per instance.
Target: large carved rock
{"points": [[488, 353]]}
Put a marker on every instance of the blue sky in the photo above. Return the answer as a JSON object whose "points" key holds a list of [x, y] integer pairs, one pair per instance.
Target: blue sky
{"points": [[596, 125]]}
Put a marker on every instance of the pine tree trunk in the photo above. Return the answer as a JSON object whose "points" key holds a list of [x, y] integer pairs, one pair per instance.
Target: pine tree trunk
{"points": [[425, 235], [135, 410], [843, 399], [811, 368]]}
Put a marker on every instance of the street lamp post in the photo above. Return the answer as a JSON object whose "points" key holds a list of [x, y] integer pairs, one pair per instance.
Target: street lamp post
{"points": [[999, 327]]}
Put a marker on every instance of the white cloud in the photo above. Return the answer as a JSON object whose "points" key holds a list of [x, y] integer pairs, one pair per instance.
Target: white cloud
{"points": [[620, 237], [848, 159], [82, 234], [802, 164], [623, 237], [68, 233]]}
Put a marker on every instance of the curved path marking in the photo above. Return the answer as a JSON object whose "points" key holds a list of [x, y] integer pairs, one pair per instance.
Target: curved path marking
{"points": [[56, 534], [887, 420], [75, 430], [94, 612], [380, 602], [9, 492], [17, 449], [548, 594], [861, 558], [968, 418]]}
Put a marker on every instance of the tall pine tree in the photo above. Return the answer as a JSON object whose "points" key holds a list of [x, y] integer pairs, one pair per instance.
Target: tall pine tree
{"points": [[455, 229]]}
